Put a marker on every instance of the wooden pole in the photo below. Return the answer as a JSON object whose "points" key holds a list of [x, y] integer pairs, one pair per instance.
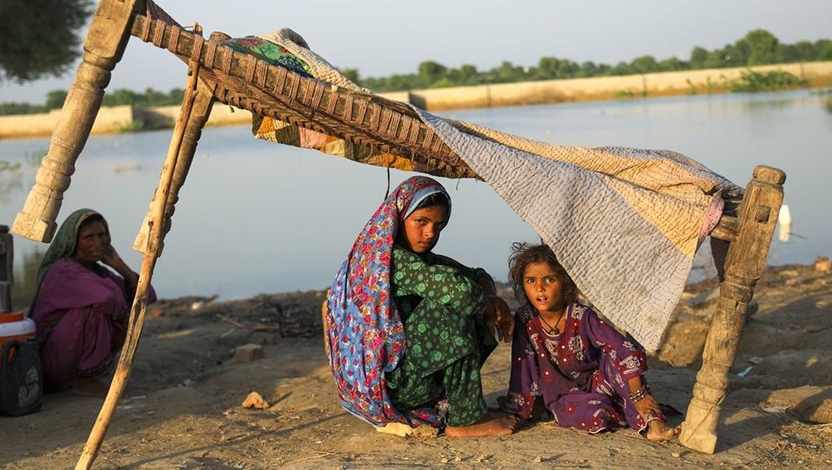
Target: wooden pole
{"points": [[103, 48], [134, 328], [201, 111], [744, 265]]}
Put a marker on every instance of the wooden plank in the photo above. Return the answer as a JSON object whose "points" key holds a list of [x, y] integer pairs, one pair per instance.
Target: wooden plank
{"points": [[294, 94]]}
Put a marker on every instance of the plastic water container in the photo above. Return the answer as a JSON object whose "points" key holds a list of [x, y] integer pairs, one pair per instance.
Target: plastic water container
{"points": [[12, 324], [15, 326]]}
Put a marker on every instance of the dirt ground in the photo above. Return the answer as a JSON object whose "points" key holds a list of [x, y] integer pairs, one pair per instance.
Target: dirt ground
{"points": [[183, 405]]}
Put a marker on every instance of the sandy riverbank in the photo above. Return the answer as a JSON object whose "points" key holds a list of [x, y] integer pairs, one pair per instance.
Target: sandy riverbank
{"points": [[182, 408]]}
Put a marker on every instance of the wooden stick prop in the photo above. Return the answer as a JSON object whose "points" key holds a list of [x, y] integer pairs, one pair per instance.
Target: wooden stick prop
{"points": [[134, 328], [744, 265], [200, 112]]}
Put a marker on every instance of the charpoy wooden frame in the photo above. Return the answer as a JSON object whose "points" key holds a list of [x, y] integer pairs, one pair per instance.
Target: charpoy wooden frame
{"points": [[219, 74]]}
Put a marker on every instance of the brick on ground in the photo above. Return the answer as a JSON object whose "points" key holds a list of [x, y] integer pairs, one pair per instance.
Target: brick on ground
{"points": [[249, 352]]}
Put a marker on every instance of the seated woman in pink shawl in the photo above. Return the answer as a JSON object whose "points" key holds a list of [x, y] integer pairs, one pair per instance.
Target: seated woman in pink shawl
{"points": [[82, 303]]}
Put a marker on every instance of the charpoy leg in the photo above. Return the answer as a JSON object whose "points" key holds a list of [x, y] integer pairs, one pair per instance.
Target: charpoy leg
{"points": [[103, 48], [744, 265]]}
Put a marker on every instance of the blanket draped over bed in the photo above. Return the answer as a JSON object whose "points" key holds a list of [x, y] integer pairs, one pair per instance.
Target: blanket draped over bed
{"points": [[625, 222]]}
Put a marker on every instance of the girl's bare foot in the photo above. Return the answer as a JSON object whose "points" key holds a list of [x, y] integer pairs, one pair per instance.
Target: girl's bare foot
{"points": [[492, 424], [658, 431]]}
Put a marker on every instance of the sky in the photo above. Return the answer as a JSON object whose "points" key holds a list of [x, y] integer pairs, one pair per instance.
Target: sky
{"points": [[381, 38]]}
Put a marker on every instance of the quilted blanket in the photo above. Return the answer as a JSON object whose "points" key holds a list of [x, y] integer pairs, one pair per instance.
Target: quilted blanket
{"points": [[624, 222]]}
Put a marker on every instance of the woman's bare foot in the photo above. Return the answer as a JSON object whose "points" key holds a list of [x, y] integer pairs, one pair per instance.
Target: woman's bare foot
{"points": [[658, 431], [492, 424], [89, 387]]}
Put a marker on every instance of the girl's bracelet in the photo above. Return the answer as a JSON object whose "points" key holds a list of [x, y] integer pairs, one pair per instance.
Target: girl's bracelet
{"points": [[639, 394]]}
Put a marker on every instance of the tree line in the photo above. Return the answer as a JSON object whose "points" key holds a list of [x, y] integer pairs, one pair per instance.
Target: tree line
{"points": [[55, 100], [758, 47]]}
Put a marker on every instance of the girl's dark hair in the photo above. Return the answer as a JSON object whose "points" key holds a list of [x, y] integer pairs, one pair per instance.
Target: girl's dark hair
{"points": [[523, 254], [435, 199]]}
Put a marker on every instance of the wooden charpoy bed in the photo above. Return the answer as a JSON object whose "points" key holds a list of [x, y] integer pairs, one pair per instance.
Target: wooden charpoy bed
{"points": [[218, 74]]}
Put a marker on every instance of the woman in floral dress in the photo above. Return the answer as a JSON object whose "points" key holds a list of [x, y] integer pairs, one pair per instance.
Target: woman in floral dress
{"points": [[407, 329]]}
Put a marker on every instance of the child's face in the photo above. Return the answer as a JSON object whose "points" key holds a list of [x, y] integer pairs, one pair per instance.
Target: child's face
{"points": [[543, 288], [422, 228]]}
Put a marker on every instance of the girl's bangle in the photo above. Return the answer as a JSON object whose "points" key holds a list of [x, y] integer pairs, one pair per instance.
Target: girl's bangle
{"points": [[639, 394]]}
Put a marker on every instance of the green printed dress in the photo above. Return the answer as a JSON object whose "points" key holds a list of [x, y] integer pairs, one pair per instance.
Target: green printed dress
{"points": [[441, 304]]}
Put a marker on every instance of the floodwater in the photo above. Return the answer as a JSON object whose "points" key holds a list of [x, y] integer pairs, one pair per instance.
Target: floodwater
{"points": [[256, 217]]}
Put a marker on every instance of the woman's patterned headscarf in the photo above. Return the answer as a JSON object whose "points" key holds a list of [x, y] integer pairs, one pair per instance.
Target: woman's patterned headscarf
{"points": [[364, 334]]}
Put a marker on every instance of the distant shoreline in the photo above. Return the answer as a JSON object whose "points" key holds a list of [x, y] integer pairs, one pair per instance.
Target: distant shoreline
{"points": [[119, 119]]}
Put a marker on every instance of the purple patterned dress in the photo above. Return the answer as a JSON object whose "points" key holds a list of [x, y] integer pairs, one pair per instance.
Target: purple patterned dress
{"points": [[581, 374]]}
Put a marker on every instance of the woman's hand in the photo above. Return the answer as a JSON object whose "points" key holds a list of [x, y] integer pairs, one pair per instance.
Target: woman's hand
{"points": [[111, 257], [113, 260], [498, 318]]}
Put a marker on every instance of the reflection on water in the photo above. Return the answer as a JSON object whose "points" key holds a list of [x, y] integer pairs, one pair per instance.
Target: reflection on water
{"points": [[256, 217]]}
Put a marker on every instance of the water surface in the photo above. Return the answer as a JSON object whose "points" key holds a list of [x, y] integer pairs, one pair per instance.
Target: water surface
{"points": [[257, 217]]}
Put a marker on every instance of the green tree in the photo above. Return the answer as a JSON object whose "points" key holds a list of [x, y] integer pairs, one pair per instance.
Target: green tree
{"points": [[603, 70], [401, 82], [351, 75], [787, 53], [823, 49], [735, 55], [714, 60], [763, 46], [123, 96], [13, 109], [177, 95], [548, 68], [509, 73], [55, 99], [40, 38], [587, 69], [621, 68], [431, 72], [375, 83], [468, 75], [644, 64], [672, 64], [155, 98], [805, 50], [698, 57]]}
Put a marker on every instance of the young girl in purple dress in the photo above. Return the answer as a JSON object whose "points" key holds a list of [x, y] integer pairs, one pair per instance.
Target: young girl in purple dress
{"points": [[564, 357]]}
